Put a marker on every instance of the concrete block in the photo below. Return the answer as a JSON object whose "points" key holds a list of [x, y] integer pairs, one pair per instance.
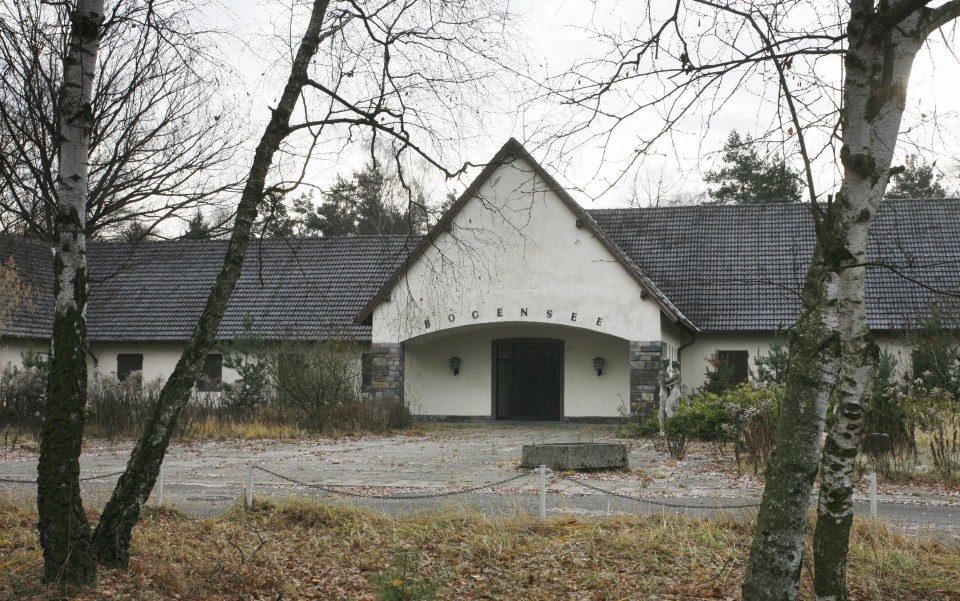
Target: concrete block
{"points": [[575, 455]]}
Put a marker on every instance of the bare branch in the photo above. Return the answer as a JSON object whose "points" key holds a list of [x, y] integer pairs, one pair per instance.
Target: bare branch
{"points": [[941, 16], [164, 134]]}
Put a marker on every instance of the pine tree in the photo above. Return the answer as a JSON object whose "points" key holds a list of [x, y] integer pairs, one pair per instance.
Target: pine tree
{"points": [[361, 206], [197, 228], [917, 180], [749, 179]]}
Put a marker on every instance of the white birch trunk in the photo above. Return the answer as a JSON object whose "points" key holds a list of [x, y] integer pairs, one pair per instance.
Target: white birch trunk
{"points": [[122, 512], [878, 73], [64, 532], [882, 41]]}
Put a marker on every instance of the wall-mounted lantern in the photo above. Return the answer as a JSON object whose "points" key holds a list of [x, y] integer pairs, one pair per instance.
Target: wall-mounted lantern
{"points": [[455, 365], [598, 365]]}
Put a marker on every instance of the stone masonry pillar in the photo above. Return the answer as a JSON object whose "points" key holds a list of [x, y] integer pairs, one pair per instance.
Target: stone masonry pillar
{"points": [[645, 362], [386, 378]]}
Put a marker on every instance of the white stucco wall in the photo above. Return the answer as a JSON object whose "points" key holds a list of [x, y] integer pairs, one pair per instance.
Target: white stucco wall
{"points": [[898, 347], [693, 364], [158, 359], [432, 389], [12, 351], [515, 254], [694, 357], [672, 337]]}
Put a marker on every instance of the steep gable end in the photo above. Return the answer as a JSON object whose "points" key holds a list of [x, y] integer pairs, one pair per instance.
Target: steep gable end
{"points": [[514, 157]]}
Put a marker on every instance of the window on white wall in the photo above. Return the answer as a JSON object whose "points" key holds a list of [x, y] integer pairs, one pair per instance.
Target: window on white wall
{"points": [[670, 352], [211, 378], [737, 364], [128, 363]]}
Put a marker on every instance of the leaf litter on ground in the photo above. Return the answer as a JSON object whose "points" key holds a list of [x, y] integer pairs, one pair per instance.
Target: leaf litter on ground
{"points": [[307, 549]]}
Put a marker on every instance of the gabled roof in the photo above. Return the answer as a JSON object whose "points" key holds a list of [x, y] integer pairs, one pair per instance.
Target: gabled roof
{"points": [[305, 289], [727, 269], [510, 152], [33, 265], [741, 268]]}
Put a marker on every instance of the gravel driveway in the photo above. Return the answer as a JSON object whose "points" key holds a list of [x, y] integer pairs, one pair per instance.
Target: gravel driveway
{"points": [[206, 478]]}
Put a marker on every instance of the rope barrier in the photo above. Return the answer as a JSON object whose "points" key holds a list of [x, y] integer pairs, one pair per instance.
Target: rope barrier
{"points": [[339, 491], [34, 480], [13, 481], [651, 501], [101, 477]]}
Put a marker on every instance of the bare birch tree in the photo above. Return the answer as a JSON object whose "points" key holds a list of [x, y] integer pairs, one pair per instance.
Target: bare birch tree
{"points": [[882, 43], [401, 71], [698, 55], [397, 73], [163, 138], [103, 119], [64, 531]]}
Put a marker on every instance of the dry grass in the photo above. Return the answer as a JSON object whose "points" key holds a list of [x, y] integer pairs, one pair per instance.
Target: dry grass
{"points": [[224, 428], [918, 471], [310, 550]]}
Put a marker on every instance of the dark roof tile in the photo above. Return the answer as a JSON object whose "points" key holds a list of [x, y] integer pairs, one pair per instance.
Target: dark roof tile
{"points": [[726, 269], [741, 268], [306, 288]]}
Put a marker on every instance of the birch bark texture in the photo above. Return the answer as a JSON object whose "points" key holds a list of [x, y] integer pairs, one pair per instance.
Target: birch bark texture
{"points": [[878, 63], [68, 557], [883, 41], [122, 512]]}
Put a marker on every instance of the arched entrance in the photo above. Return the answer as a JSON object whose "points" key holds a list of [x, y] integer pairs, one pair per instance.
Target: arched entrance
{"points": [[517, 371], [528, 379]]}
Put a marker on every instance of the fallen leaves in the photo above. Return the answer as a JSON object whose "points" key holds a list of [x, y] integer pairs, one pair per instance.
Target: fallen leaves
{"points": [[304, 549]]}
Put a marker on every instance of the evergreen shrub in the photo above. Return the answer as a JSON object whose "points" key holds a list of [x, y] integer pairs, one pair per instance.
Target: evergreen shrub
{"points": [[744, 417]]}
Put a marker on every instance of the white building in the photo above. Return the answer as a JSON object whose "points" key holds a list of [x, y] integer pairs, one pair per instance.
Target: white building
{"points": [[519, 304]]}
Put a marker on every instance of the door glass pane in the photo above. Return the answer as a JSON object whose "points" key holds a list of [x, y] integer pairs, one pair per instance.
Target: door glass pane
{"points": [[529, 379]]}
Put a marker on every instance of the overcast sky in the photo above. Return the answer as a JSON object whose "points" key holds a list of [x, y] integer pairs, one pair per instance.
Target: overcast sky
{"points": [[553, 35]]}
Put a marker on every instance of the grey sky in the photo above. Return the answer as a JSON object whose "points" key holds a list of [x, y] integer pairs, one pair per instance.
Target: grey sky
{"points": [[554, 35]]}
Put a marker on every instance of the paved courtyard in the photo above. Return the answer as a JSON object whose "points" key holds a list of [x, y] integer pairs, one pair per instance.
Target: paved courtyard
{"points": [[207, 478]]}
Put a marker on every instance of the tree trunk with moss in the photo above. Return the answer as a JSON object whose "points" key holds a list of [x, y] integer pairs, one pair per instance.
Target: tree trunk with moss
{"points": [[64, 532], [112, 537], [878, 65], [882, 41], [773, 570]]}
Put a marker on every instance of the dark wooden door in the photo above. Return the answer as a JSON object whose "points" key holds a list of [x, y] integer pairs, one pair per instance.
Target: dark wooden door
{"points": [[528, 379]]}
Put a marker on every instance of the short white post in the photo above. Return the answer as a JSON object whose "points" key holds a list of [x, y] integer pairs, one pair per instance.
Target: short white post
{"points": [[543, 491], [872, 478], [160, 487], [250, 485]]}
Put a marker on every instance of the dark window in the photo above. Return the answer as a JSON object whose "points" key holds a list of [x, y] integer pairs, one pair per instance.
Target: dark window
{"points": [[366, 369], [211, 377], [127, 363], [734, 364]]}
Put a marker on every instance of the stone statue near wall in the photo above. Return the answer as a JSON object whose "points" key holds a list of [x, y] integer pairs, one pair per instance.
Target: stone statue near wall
{"points": [[670, 384]]}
